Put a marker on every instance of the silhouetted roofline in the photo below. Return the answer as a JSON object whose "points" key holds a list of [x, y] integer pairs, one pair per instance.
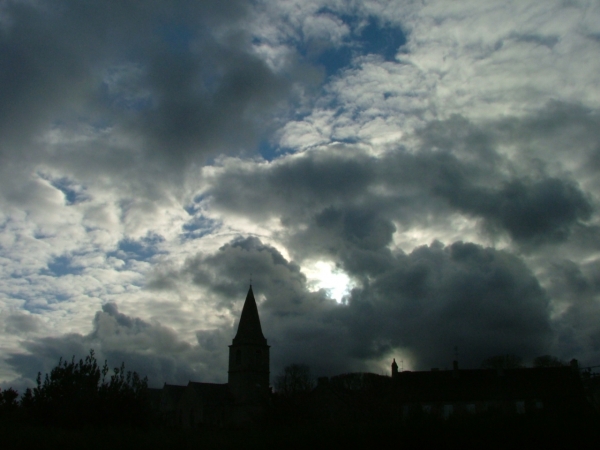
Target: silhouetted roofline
{"points": [[173, 386]]}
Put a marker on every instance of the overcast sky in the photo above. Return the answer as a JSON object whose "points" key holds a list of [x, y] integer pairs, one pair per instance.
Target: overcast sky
{"points": [[398, 178]]}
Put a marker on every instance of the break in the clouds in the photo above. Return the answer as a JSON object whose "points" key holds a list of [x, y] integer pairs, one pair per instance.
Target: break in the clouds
{"points": [[396, 178]]}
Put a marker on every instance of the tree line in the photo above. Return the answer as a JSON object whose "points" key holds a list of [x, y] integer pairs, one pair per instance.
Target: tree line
{"points": [[79, 393]]}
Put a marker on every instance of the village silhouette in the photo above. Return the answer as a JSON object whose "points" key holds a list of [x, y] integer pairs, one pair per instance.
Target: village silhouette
{"points": [[500, 404]]}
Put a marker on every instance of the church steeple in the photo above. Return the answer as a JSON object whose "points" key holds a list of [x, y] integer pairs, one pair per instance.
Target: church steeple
{"points": [[249, 330], [249, 358]]}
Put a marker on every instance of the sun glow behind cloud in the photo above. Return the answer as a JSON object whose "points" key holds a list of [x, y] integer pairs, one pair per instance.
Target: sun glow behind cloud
{"points": [[324, 275]]}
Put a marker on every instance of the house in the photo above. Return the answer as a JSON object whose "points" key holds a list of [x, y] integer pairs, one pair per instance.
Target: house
{"points": [[505, 391], [447, 393]]}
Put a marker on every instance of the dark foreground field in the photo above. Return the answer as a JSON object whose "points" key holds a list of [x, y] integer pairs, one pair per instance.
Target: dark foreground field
{"points": [[471, 432]]}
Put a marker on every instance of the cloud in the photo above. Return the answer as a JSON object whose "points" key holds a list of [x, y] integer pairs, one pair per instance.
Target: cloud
{"points": [[456, 167], [311, 180], [483, 300], [151, 349], [122, 99], [18, 323], [574, 288], [528, 210], [442, 157]]}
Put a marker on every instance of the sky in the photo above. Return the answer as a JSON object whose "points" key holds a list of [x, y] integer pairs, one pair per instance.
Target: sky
{"points": [[402, 179]]}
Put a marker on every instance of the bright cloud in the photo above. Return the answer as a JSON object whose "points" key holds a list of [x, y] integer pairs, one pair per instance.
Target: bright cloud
{"points": [[433, 165]]}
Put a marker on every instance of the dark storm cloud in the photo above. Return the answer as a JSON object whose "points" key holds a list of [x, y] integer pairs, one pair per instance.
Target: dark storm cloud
{"points": [[18, 323], [44, 353], [294, 320], [483, 300], [422, 304], [227, 272], [150, 349], [361, 227], [213, 98], [462, 164], [519, 195], [528, 210], [560, 131], [153, 86], [293, 187], [575, 288], [355, 236], [458, 168]]}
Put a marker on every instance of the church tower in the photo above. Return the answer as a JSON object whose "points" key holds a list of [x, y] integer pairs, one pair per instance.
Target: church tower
{"points": [[249, 357]]}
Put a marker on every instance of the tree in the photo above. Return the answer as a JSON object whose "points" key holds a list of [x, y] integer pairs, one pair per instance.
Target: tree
{"points": [[292, 387], [8, 401], [294, 381], [548, 361], [359, 382], [78, 393], [508, 361]]}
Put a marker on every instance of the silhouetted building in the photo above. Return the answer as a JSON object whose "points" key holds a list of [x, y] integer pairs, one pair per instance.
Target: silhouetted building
{"points": [[248, 376], [477, 391], [205, 404], [243, 399], [445, 393], [169, 402], [249, 356]]}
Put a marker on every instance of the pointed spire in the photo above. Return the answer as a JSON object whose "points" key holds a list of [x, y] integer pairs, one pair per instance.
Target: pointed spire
{"points": [[394, 368], [249, 330]]}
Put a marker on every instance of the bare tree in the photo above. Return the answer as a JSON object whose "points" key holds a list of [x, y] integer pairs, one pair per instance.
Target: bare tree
{"points": [[547, 361], [295, 380]]}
